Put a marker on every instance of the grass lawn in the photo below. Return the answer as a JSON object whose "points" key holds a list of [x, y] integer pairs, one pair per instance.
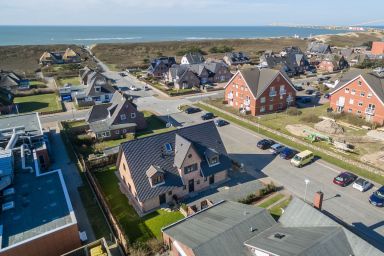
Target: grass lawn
{"points": [[276, 210], [69, 80], [282, 139], [271, 201], [76, 123], [38, 103], [136, 228]]}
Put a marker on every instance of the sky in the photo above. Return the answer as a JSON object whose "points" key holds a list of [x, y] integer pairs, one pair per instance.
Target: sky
{"points": [[190, 12]]}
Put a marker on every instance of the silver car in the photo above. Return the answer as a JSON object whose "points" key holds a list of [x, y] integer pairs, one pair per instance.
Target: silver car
{"points": [[362, 184]]}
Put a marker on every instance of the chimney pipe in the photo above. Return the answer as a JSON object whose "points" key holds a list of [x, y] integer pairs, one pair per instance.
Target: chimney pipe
{"points": [[318, 200]]}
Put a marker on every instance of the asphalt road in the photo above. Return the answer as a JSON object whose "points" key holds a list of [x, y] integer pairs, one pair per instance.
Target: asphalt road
{"points": [[347, 204]]}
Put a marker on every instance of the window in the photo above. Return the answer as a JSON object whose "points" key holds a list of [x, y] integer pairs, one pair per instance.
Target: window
{"points": [[205, 178], [237, 94], [262, 109], [124, 168], [272, 92], [97, 88], [359, 83], [369, 95], [360, 104], [346, 90], [351, 101], [198, 182], [190, 168], [168, 148], [271, 107], [157, 179], [358, 112], [184, 187], [213, 160], [350, 110], [117, 132], [371, 106], [123, 117], [262, 100], [170, 193], [124, 130], [280, 106], [133, 115], [353, 92], [362, 94]]}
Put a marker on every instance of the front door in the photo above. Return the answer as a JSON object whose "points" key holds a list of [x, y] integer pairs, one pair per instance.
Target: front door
{"points": [[211, 179], [191, 185], [162, 199]]}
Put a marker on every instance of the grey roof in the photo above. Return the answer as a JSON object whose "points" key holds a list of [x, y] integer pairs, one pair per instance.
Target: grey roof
{"points": [[153, 170], [221, 229], [167, 61], [182, 147], [96, 78], [303, 241], [299, 214], [237, 57], [375, 82], [315, 47], [210, 67], [104, 117], [259, 79], [202, 136], [194, 57], [9, 79], [30, 122]]}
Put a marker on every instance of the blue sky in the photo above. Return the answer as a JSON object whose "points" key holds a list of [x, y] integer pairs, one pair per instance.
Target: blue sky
{"points": [[189, 12]]}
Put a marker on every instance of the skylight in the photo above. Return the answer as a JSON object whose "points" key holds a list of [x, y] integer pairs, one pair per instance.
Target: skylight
{"points": [[168, 148]]}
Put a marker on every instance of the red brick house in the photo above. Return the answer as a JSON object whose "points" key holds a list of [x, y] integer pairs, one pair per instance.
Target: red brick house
{"points": [[361, 93], [260, 91], [377, 48]]}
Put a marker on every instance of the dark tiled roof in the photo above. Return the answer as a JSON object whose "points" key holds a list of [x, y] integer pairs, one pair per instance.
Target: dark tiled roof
{"points": [[98, 112], [321, 48], [142, 153], [194, 58], [259, 79]]}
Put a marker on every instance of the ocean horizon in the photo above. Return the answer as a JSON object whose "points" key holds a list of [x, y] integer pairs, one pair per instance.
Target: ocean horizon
{"points": [[88, 35]]}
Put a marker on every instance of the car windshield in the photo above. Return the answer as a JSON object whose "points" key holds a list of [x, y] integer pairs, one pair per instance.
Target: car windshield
{"points": [[297, 158], [380, 194], [338, 178], [360, 182]]}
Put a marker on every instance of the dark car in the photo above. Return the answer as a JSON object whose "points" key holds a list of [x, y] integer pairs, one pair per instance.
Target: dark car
{"points": [[344, 179], [309, 91], [208, 116], [326, 96], [287, 153], [377, 197], [320, 79], [192, 110], [265, 143], [220, 122], [298, 88]]}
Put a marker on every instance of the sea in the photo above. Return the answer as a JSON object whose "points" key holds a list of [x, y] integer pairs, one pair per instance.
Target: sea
{"points": [[89, 35]]}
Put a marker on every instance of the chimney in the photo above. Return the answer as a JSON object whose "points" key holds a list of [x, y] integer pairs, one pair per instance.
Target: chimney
{"points": [[318, 200]]}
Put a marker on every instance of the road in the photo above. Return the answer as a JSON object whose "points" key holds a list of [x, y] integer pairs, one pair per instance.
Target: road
{"points": [[347, 204]]}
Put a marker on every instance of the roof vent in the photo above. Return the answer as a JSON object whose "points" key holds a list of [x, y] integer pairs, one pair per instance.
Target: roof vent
{"points": [[8, 206], [279, 236]]}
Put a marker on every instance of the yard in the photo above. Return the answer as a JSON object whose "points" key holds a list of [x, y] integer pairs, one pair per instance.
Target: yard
{"points": [[68, 80], [38, 103], [137, 229]]}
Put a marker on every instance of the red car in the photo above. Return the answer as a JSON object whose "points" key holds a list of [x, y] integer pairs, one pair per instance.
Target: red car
{"points": [[344, 179]]}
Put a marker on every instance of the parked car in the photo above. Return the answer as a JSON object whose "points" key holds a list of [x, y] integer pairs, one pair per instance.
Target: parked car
{"points": [[320, 79], [344, 179], [220, 122], [309, 91], [316, 93], [287, 153], [265, 143], [146, 88], [133, 88], [192, 110], [298, 88], [377, 197], [326, 96], [208, 116], [326, 77], [302, 158], [362, 184], [276, 148]]}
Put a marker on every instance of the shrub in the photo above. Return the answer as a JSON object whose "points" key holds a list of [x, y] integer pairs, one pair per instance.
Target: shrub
{"points": [[84, 139], [292, 111], [191, 49], [311, 118], [221, 49]]}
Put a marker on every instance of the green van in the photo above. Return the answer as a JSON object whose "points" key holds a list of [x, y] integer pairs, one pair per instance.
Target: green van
{"points": [[302, 158]]}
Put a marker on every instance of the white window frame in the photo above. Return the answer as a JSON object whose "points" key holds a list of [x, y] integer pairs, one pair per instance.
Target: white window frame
{"points": [[351, 101], [369, 95], [270, 107], [360, 104], [362, 94], [133, 115], [262, 100], [346, 90], [123, 117], [353, 92], [262, 109]]}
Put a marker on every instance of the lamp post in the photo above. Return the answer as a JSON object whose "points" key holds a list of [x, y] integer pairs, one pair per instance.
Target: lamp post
{"points": [[307, 181]]}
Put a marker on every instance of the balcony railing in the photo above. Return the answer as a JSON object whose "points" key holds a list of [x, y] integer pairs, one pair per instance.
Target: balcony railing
{"points": [[370, 111]]}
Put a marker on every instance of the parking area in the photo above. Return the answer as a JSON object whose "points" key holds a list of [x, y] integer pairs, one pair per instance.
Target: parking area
{"points": [[347, 204]]}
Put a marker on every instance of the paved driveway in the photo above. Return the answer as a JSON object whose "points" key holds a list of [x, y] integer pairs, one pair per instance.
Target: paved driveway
{"points": [[346, 204]]}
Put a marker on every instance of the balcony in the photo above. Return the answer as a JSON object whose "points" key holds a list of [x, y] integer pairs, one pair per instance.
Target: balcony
{"points": [[340, 103], [272, 93], [370, 111]]}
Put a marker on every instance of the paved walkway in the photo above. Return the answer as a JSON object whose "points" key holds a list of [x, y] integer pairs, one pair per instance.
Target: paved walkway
{"points": [[60, 160]]}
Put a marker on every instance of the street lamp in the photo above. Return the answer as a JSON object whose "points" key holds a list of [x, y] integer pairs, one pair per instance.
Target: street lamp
{"points": [[307, 181]]}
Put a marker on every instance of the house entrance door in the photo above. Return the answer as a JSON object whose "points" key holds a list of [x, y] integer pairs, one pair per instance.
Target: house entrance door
{"points": [[162, 199], [191, 185]]}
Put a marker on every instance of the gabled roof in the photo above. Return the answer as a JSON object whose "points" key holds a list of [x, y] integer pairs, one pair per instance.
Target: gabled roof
{"points": [[221, 229], [69, 53], [300, 215], [153, 170], [182, 147], [258, 80], [237, 57], [315, 47], [105, 87], [375, 82], [194, 58], [202, 136]]}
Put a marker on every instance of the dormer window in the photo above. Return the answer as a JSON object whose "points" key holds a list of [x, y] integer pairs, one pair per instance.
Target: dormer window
{"points": [[212, 157], [97, 88], [155, 175]]}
